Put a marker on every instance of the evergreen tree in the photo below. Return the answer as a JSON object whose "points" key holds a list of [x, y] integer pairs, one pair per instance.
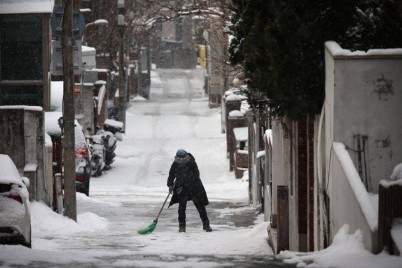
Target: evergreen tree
{"points": [[378, 24], [280, 44]]}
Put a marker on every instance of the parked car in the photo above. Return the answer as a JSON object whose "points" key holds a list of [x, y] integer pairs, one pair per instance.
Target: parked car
{"points": [[81, 150], [15, 214], [82, 161]]}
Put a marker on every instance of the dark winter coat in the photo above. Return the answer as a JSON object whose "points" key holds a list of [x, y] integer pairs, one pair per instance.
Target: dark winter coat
{"points": [[188, 179]]}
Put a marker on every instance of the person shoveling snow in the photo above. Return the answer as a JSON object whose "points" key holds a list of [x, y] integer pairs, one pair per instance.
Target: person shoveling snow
{"points": [[185, 184]]}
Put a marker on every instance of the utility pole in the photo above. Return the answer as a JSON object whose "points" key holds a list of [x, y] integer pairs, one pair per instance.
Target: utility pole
{"points": [[70, 202], [122, 84]]}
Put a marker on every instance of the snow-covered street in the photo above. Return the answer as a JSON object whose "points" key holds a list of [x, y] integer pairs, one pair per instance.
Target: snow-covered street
{"points": [[128, 197]]}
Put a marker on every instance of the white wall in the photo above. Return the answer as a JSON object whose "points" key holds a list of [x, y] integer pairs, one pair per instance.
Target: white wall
{"points": [[284, 174], [364, 97], [350, 203], [278, 177]]}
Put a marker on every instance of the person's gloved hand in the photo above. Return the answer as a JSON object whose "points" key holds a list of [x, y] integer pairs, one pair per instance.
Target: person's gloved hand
{"points": [[170, 189], [179, 189]]}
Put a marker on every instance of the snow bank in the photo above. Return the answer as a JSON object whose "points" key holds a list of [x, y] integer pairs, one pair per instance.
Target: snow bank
{"points": [[139, 99], [347, 250], [46, 222], [397, 173]]}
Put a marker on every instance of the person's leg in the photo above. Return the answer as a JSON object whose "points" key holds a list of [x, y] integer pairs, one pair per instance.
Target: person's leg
{"points": [[182, 214], [204, 216]]}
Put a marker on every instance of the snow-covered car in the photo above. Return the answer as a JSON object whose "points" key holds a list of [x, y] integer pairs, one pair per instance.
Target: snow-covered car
{"points": [[82, 161], [81, 150], [15, 214]]}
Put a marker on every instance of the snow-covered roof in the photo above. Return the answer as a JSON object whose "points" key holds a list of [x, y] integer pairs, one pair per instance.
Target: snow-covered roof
{"points": [[26, 6], [88, 50], [9, 173]]}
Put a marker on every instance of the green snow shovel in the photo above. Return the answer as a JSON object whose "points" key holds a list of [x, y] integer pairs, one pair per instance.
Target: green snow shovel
{"points": [[151, 228]]}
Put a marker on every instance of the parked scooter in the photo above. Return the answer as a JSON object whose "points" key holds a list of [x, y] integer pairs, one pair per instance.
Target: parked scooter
{"points": [[98, 153], [111, 133]]}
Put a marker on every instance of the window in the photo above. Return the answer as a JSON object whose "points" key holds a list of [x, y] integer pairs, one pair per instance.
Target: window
{"points": [[21, 48], [21, 69]]}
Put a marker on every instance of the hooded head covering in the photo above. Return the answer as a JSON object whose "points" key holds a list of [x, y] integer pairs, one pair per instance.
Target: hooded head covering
{"points": [[181, 157]]}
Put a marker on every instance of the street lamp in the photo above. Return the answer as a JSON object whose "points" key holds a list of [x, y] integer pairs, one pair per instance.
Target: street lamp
{"points": [[97, 22]]}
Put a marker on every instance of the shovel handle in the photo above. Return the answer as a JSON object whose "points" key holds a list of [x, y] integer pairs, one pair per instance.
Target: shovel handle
{"points": [[160, 211]]}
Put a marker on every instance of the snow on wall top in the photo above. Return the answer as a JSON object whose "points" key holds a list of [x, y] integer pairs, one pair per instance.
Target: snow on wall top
{"points": [[233, 97], [23, 107], [338, 51], [387, 183], [26, 6], [88, 50]]}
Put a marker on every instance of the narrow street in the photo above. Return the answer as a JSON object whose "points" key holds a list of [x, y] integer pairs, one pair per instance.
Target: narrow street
{"points": [[128, 197]]}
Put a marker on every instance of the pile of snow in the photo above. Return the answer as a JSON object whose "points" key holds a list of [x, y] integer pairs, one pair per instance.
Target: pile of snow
{"points": [[347, 250], [139, 99], [397, 173], [46, 221]]}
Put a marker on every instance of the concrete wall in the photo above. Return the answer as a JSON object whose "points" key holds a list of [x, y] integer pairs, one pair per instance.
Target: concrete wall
{"points": [[350, 203], [363, 97], [34, 135], [24, 138], [12, 135], [280, 161]]}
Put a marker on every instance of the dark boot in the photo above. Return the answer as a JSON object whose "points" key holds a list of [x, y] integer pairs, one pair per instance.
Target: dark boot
{"points": [[206, 226], [182, 227]]}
